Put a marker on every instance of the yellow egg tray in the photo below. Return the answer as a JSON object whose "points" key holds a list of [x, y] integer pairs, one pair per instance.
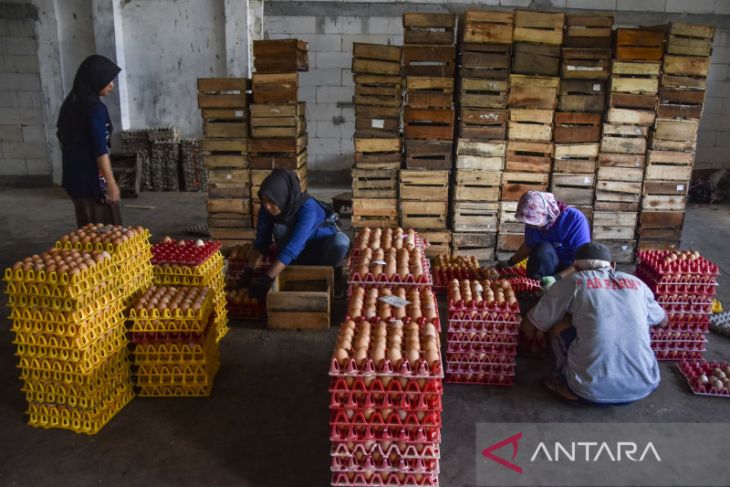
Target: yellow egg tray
{"points": [[175, 391], [178, 275], [76, 397], [65, 323], [87, 303], [222, 330], [139, 283], [39, 335], [89, 421], [75, 284], [172, 320], [167, 374], [85, 365], [99, 375], [132, 245], [110, 286], [176, 353]]}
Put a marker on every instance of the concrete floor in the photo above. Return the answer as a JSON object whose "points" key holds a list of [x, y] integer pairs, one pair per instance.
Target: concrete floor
{"points": [[266, 422]]}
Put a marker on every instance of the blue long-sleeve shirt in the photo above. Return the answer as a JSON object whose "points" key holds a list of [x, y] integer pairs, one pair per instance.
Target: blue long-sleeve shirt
{"points": [[308, 226], [569, 232]]}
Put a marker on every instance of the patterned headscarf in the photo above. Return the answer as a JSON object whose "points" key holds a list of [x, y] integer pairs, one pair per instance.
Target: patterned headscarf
{"points": [[539, 209]]}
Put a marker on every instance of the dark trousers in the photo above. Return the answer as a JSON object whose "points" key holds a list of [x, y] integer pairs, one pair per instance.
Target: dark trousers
{"points": [[91, 211], [543, 261], [329, 251]]}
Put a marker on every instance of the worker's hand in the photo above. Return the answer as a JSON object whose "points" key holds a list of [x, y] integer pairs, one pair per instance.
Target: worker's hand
{"points": [[503, 264], [246, 277], [260, 287], [112, 192], [548, 282]]}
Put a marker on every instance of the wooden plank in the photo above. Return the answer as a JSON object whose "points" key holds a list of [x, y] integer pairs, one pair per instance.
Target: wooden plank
{"points": [[692, 30], [585, 63], [478, 162], [474, 185], [229, 205], [220, 85], [275, 88], [575, 151], [615, 218], [633, 101], [227, 175], [481, 148], [280, 55], [424, 185], [428, 123], [488, 27], [514, 184], [428, 154], [636, 69], [229, 190], [686, 65], [676, 130], [374, 212], [378, 145], [613, 233], [669, 157], [657, 187], [212, 161], [669, 173], [424, 214], [278, 161], [663, 203], [429, 60], [630, 117], [620, 160], [623, 145], [239, 146], [634, 85], [574, 166], [538, 27], [380, 52], [274, 111], [620, 174], [617, 191], [661, 219], [536, 59], [234, 130], [471, 216], [374, 183], [292, 145]]}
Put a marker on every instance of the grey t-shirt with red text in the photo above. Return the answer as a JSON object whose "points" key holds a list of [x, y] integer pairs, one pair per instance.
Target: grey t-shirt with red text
{"points": [[610, 359]]}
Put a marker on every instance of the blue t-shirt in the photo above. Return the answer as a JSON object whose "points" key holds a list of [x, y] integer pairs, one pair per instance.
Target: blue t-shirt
{"points": [[80, 170], [308, 226], [569, 232]]}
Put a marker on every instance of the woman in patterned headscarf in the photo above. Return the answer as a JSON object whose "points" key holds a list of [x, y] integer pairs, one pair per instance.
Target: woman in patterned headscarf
{"points": [[553, 232]]}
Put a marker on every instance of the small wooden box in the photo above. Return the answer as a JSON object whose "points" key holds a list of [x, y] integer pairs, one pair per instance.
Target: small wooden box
{"points": [[492, 27], [376, 59], [269, 121], [439, 242], [477, 154], [634, 101], [424, 185], [534, 125], [586, 63], [625, 116], [479, 245], [574, 189], [378, 153], [275, 88], [428, 92], [375, 183], [428, 154], [588, 31], [280, 56], [486, 61], [476, 185], [639, 45], [374, 213], [622, 251], [301, 298], [424, 214], [572, 128], [474, 216], [507, 221], [431, 123], [429, 28], [223, 92], [690, 39], [483, 124], [515, 184], [582, 96], [377, 90], [624, 139], [533, 92], [528, 156], [434, 61], [539, 27], [483, 93], [377, 121], [635, 78], [536, 59]]}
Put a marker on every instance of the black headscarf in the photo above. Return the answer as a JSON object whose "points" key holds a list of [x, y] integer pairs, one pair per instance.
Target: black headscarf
{"points": [[94, 73], [282, 187]]}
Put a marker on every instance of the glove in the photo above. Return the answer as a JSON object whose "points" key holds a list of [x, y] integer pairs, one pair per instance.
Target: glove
{"points": [[503, 264], [245, 279], [260, 287], [548, 282]]}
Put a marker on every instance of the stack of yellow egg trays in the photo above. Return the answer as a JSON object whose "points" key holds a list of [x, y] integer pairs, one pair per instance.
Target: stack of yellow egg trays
{"points": [[176, 353], [209, 274]]}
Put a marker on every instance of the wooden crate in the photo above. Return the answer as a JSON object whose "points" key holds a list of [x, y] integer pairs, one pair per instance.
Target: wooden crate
{"points": [[479, 245], [588, 31], [380, 91], [528, 156], [661, 225], [488, 27], [621, 160], [223, 92], [507, 221], [301, 298], [683, 82], [675, 135], [686, 65], [483, 93], [574, 189], [635, 78], [439, 242], [585, 63], [278, 160], [474, 216], [663, 202], [624, 139], [574, 165], [662, 244], [424, 214], [229, 234], [435, 61], [680, 103], [429, 28], [258, 176], [476, 154], [229, 190], [515, 184], [275, 88], [375, 183], [539, 27], [690, 39], [614, 231], [226, 128], [639, 45], [280, 56], [476, 185], [278, 120], [424, 185], [533, 92], [428, 154], [225, 153], [486, 61], [572, 128], [483, 124], [228, 220], [625, 116], [378, 153], [669, 166], [277, 153], [536, 59], [427, 92], [228, 175], [377, 121], [582, 96], [577, 153], [374, 213], [617, 195], [628, 174], [633, 101], [376, 59], [622, 251], [615, 218], [535, 125], [428, 123], [239, 206], [510, 242]]}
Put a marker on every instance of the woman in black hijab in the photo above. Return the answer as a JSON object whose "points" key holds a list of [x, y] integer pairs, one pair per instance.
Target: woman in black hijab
{"points": [[304, 229], [84, 130]]}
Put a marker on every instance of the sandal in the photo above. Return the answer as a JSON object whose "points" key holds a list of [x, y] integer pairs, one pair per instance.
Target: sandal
{"points": [[557, 385]]}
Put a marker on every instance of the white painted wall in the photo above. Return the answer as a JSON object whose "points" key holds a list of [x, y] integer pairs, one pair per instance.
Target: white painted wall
{"points": [[76, 36]]}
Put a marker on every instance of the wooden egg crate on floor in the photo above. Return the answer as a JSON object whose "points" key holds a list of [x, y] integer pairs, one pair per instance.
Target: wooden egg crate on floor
{"points": [[614, 225], [374, 213], [528, 156], [428, 154], [576, 128], [533, 92], [474, 216], [427, 92], [476, 185], [680, 103], [675, 135], [538, 27], [228, 175], [278, 120], [625, 116], [622, 251], [375, 183], [515, 184], [439, 242], [278, 153], [686, 66], [483, 124], [585, 63], [280, 56], [377, 121], [301, 298], [231, 153], [635, 78], [530, 125], [478, 154], [669, 166], [639, 45], [378, 153], [225, 123], [486, 61], [507, 221], [509, 243], [536, 59], [417, 185], [275, 88], [434, 61], [225, 93], [483, 93], [378, 91], [618, 182], [480, 245], [633, 101], [573, 189], [690, 39], [582, 96], [429, 28], [575, 158], [424, 214], [653, 202], [488, 27], [229, 190], [588, 31], [428, 123], [376, 59], [661, 225], [624, 139]]}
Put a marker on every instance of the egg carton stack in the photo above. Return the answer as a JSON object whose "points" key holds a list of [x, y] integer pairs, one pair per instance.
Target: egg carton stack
{"points": [[194, 177], [707, 378], [378, 143], [386, 392], [674, 136], [173, 332], [388, 303], [164, 158], [447, 267], [483, 326], [194, 263], [240, 304], [67, 312], [137, 142], [683, 284]]}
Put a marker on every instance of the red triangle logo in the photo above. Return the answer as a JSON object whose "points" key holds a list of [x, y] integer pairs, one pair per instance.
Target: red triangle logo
{"points": [[512, 440]]}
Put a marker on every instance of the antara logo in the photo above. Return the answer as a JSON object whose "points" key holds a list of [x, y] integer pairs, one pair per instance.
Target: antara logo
{"points": [[514, 441]]}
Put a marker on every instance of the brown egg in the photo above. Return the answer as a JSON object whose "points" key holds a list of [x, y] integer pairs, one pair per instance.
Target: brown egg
{"points": [[341, 355]]}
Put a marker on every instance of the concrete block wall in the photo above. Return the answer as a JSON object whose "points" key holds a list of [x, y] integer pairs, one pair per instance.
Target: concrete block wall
{"points": [[23, 150]]}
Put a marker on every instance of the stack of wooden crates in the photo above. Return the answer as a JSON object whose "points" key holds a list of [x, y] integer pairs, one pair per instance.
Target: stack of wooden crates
{"points": [[378, 144], [224, 107], [429, 64], [278, 118]]}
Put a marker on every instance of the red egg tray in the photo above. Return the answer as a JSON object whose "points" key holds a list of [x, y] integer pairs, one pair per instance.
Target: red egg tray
{"points": [[352, 403], [481, 379], [386, 449], [653, 261], [380, 385], [379, 432], [674, 355], [482, 338], [185, 254], [692, 369], [375, 479], [679, 345], [684, 289], [396, 279], [666, 334], [471, 367], [399, 465], [482, 348], [492, 306], [403, 369], [467, 327], [525, 285], [377, 418]]}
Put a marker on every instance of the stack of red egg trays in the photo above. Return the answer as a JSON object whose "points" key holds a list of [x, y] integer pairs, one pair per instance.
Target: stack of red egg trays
{"points": [[482, 343], [706, 378], [684, 288], [385, 421]]}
